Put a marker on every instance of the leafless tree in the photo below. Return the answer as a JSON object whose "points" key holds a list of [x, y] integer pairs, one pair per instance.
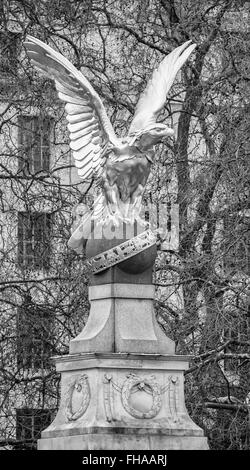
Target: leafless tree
{"points": [[205, 171]]}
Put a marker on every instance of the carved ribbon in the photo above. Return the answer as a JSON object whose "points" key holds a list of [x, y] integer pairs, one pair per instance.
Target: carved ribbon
{"points": [[121, 252]]}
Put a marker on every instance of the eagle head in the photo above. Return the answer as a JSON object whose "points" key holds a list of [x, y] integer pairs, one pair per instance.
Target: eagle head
{"points": [[152, 135]]}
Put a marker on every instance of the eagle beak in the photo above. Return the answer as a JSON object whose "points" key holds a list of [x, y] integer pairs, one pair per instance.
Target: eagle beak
{"points": [[169, 132]]}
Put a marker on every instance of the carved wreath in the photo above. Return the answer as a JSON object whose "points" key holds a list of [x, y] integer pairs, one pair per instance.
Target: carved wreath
{"points": [[80, 385], [149, 385]]}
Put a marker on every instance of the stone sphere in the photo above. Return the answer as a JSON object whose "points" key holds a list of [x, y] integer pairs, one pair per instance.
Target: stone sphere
{"points": [[134, 265]]}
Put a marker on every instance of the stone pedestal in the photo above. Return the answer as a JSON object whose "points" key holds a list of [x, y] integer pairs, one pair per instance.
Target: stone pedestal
{"points": [[122, 384], [113, 401], [122, 319]]}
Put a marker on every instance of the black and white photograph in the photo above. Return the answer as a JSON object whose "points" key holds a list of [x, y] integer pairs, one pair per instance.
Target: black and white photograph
{"points": [[124, 231]]}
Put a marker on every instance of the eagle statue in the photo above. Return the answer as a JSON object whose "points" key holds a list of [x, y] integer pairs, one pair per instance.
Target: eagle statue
{"points": [[119, 166]]}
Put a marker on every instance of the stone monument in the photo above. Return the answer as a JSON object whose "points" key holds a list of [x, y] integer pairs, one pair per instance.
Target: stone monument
{"points": [[122, 384]]}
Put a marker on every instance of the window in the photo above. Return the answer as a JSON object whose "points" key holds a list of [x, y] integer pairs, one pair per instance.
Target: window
{"points": [[34, 143], [34, 336], [30, 423], [34, 231]]}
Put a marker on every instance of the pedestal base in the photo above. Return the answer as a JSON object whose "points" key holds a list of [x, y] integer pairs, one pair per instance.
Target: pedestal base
{"points": [[132, 441], [113, 401]]}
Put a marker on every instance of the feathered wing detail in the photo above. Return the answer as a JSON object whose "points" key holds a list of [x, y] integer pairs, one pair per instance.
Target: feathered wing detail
{"points": [[154, 96], [90, 128]]}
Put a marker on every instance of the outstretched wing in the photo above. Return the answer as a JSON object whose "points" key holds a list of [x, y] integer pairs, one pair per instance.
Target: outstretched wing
{"points": [[154, 96], [89, 126]]}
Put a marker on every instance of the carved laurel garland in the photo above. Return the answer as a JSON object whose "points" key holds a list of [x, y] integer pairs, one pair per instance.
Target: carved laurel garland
{"points": [[108, 397], [149, 385], [134, 383], [174, 396], [80, 385]]}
